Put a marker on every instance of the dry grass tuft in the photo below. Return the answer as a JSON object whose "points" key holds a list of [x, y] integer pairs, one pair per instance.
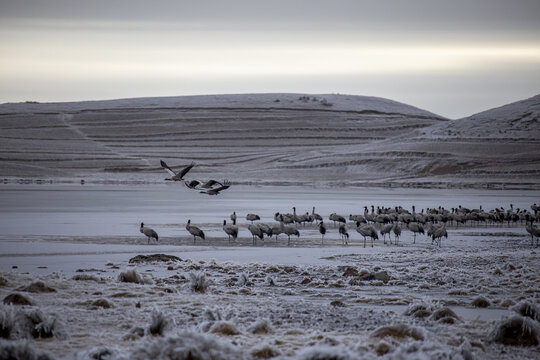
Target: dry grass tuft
{"points": [[517, 330], [131, 276], [198, 282], [17, 299], [399, 331], [103, 303], [528, 309], [265, 352], [480, 302], [261, 327], [224, 328], [37, 287]]}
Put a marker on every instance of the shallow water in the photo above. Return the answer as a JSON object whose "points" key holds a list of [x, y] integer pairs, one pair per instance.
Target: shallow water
{"points": [[117, 210]]}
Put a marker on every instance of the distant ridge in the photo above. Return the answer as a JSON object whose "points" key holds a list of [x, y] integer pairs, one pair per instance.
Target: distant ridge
{"points": [[268, 138]]}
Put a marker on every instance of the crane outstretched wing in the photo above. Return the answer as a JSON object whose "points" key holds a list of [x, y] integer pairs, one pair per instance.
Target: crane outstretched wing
{"points": [[186, 170], [166, 167]]}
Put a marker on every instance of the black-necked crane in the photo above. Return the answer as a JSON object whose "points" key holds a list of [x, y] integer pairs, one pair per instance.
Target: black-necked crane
{"points": [[150, 233], [193, 184], [316, 216], [367, 231], [344, 234], [179, 175], [252, 217], [233, 217], [416, 228], [210, 184], [266, 229], [531, 229], [386, 229], [296, 218], [290, 230], [397, 232], [216, 190], [278, 228], [357, 218], [335, 217], [305, 218], [438, 233], [230, 229], [322, 231], [255, 231], [195, 231]]}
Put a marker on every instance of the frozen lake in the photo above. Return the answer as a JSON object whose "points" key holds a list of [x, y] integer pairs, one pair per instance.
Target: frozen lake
{"points": [[78, 239], [117, 210]]}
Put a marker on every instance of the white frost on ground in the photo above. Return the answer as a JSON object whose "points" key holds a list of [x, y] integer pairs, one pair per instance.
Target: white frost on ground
{"points": [[329, 302]]}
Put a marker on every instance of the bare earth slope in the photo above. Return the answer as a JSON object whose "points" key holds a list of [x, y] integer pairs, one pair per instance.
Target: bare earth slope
{"points": [[269, 138], [495, 148]]}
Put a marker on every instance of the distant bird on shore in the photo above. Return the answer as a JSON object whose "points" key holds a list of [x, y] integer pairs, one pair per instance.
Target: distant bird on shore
{"points": [[150, 233], [316, 216], [322, 230], [438, 233], [386, 229], [255, 231], [266, 229], [233, 217], [252, 217], [344, 234], [397, 232], [230, 229], [367, 231], [179, 175], [416, 228], [290, 230], [335, 217], [195, 231], [534, 231]]}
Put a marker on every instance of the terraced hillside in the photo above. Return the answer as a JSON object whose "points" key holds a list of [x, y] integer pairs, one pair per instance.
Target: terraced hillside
{"points": [[272, 138], [499, 148], [241, 137]]}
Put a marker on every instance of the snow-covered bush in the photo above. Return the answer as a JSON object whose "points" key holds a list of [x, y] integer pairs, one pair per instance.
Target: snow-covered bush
{"points": [[261, 326], [527, 308], [186, 345], [325, 352], [131, 276], [7, 321], [270, 281], [18, 323], [224, 328], [243, 280], [398, 331], [198, 282], [21, 350], [517, 330], [160, 323]]}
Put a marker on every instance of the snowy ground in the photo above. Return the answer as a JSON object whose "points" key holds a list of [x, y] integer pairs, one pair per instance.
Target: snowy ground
{"points": [[265, 300]]}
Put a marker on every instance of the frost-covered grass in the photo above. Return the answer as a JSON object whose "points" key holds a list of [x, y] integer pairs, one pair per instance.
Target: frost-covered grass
{"points": [[400, 302], [198, 282]]}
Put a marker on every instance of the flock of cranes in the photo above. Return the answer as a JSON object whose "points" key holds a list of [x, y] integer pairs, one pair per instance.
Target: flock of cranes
{"points": [[381, 221], [210, 187]]}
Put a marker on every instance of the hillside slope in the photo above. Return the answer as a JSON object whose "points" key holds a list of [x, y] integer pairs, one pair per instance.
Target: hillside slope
{"points": [[226, 135], [498, 147], [272, 138]]}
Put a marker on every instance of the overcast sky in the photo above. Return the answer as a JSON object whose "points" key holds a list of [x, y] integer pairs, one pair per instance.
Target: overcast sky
{"points": [[454, 58]]}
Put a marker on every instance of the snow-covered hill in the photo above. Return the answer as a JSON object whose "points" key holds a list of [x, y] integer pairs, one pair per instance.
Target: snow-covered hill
{"points": [[495, 148], [270, 138]]}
